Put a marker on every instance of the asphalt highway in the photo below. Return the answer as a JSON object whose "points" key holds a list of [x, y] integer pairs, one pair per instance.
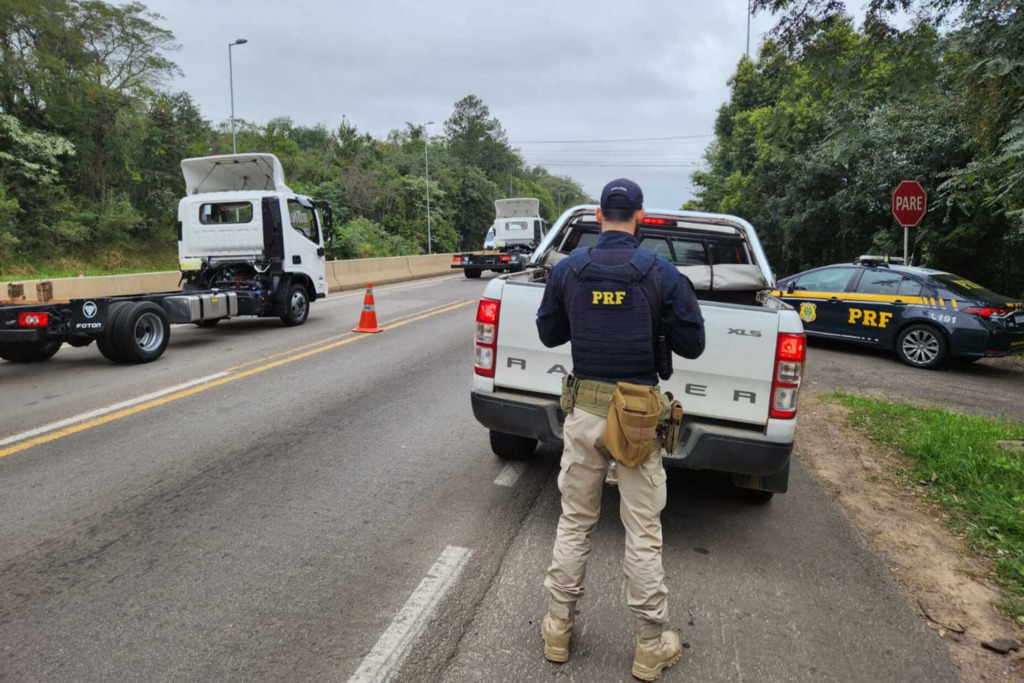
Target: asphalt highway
{"points": [[309, 504]]}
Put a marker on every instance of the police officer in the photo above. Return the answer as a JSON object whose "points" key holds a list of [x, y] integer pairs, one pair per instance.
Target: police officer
{"points": [[611, 300]]}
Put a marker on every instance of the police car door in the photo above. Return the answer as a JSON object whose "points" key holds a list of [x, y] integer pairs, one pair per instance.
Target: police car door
{"points": [[816, 296], [874, 308]]}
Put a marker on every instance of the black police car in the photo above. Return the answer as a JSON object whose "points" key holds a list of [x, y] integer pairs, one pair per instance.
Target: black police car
{"points": [[927, 316]]}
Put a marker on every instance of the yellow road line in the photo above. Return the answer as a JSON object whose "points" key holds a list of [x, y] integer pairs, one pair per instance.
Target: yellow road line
{"points": [[81, 427], [325, 340]]}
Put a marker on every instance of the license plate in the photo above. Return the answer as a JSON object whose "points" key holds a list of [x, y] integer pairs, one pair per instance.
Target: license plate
{"points": [[89, 315]]}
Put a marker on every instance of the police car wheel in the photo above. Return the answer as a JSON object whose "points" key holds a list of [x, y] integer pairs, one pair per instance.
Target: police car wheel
{"points": [[511, 446], [922, 346]]}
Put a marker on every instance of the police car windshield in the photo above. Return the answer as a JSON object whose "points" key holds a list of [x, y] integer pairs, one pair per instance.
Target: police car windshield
{"points": [[964, 287]]}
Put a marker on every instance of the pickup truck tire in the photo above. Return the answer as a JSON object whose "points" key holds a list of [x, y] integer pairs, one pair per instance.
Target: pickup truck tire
{"points": [[472, 274], [29, 352], [294, 306], [140, 333], [511, 446], [105, 340], [922, 346]]}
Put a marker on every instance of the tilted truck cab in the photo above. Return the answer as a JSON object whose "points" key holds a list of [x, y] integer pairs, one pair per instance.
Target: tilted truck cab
{"points": [[240, 223]]}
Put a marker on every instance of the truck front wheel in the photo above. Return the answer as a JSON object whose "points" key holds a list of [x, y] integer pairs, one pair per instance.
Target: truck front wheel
{"points": [[295, 307], [511, 446], [29, 352]]}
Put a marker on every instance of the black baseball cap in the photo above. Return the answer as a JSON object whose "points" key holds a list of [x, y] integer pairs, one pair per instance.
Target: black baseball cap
{"points": [[622, 193]]}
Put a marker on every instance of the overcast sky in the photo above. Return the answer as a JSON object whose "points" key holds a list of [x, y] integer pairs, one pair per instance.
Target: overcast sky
{"points": [[555, 70]]}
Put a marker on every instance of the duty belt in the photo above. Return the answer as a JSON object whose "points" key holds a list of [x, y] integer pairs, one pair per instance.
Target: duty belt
{"points": [[589, 395]]}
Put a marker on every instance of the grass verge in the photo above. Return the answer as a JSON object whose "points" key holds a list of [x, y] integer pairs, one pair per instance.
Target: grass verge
{"points": [[105, 260], [957, 463]]}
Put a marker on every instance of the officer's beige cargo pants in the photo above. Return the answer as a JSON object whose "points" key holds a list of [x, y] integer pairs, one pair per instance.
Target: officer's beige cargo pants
{"points": [[642, 496]]}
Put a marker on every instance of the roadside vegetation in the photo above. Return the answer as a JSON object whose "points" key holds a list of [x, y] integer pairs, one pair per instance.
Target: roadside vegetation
{"points": [[958, 464], [830, 115], [92, 134]]}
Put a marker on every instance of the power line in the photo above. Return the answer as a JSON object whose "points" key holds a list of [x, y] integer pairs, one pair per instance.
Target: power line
{"points": [[579, 142]]}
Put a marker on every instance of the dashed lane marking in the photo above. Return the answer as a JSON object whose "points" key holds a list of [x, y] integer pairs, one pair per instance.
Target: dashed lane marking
{"points": [[146, 405], [510, 474], [386, 656]]}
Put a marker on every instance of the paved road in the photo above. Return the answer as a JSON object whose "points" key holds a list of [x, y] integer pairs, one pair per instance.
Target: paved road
{"points": [[989, 387], [301, 517]]}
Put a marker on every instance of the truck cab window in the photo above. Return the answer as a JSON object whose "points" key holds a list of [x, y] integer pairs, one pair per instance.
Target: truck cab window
{"points": [[659, 245], [225, 213], [303, 219]]}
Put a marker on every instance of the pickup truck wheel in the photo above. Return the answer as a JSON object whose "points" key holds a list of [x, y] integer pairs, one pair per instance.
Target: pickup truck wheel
{"points": [[296, 306], [922, 346], [29, 352], [512, 447], [141, 333], [472, 274], [105, 340]]}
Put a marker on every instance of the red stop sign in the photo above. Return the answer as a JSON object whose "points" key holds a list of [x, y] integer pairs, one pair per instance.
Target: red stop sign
{"points": [[909, 203]]}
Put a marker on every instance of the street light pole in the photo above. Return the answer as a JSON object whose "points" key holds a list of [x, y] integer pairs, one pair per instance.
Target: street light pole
{"points": [[426, 167], [231, 80], [748, 28]]}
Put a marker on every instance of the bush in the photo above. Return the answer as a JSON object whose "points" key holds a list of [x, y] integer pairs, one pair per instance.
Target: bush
{"points": [[362, 238]]}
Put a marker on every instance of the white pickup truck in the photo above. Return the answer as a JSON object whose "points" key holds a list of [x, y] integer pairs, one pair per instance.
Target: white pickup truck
{"points": [[739, 397]]}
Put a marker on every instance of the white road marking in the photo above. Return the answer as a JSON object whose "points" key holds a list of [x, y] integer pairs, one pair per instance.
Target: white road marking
{"points": [[67, 422], [388, 288], [386, 656], [510, 474]]}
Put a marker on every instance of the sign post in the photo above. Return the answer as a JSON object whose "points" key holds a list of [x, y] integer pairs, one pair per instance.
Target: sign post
{"points": [[909, 204]]}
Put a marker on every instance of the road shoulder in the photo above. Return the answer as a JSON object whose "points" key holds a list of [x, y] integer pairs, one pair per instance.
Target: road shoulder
{"points": [[943, 581]]}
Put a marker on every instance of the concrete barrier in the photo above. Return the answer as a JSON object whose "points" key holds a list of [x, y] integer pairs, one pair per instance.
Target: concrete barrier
{"points": [[352, 274]]}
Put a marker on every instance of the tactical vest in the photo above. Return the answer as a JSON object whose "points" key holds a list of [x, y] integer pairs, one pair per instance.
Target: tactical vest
{"points": [[614, 314]]}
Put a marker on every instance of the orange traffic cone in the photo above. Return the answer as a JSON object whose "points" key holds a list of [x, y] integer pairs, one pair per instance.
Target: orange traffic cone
{"points": [[368, 320]]}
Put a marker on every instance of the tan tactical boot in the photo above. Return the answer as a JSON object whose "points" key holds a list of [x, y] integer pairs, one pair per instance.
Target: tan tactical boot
{"points": [[655, 654], [556, 633]]}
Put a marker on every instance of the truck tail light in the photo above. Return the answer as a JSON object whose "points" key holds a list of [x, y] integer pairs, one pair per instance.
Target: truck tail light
{"points": [[790, 355], [486, 337], [456, 259], [33, 320], [504, 258], [987, 311]]}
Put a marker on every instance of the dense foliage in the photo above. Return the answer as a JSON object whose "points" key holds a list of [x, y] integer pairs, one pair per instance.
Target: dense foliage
{"points": [[831, 116], [91, 139]]}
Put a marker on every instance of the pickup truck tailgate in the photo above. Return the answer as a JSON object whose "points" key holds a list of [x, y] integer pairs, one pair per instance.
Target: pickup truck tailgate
{"points": [[730, 381]]}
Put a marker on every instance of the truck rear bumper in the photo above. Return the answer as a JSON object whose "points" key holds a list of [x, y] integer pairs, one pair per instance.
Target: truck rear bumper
{"points": [[701, 447]]}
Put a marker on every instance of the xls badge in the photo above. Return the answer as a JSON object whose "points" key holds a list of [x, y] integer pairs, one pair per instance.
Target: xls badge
{"points": [[808, 312]]}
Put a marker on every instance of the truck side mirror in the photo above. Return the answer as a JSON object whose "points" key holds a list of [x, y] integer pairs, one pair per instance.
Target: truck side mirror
{"points": [[327, 213]]}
